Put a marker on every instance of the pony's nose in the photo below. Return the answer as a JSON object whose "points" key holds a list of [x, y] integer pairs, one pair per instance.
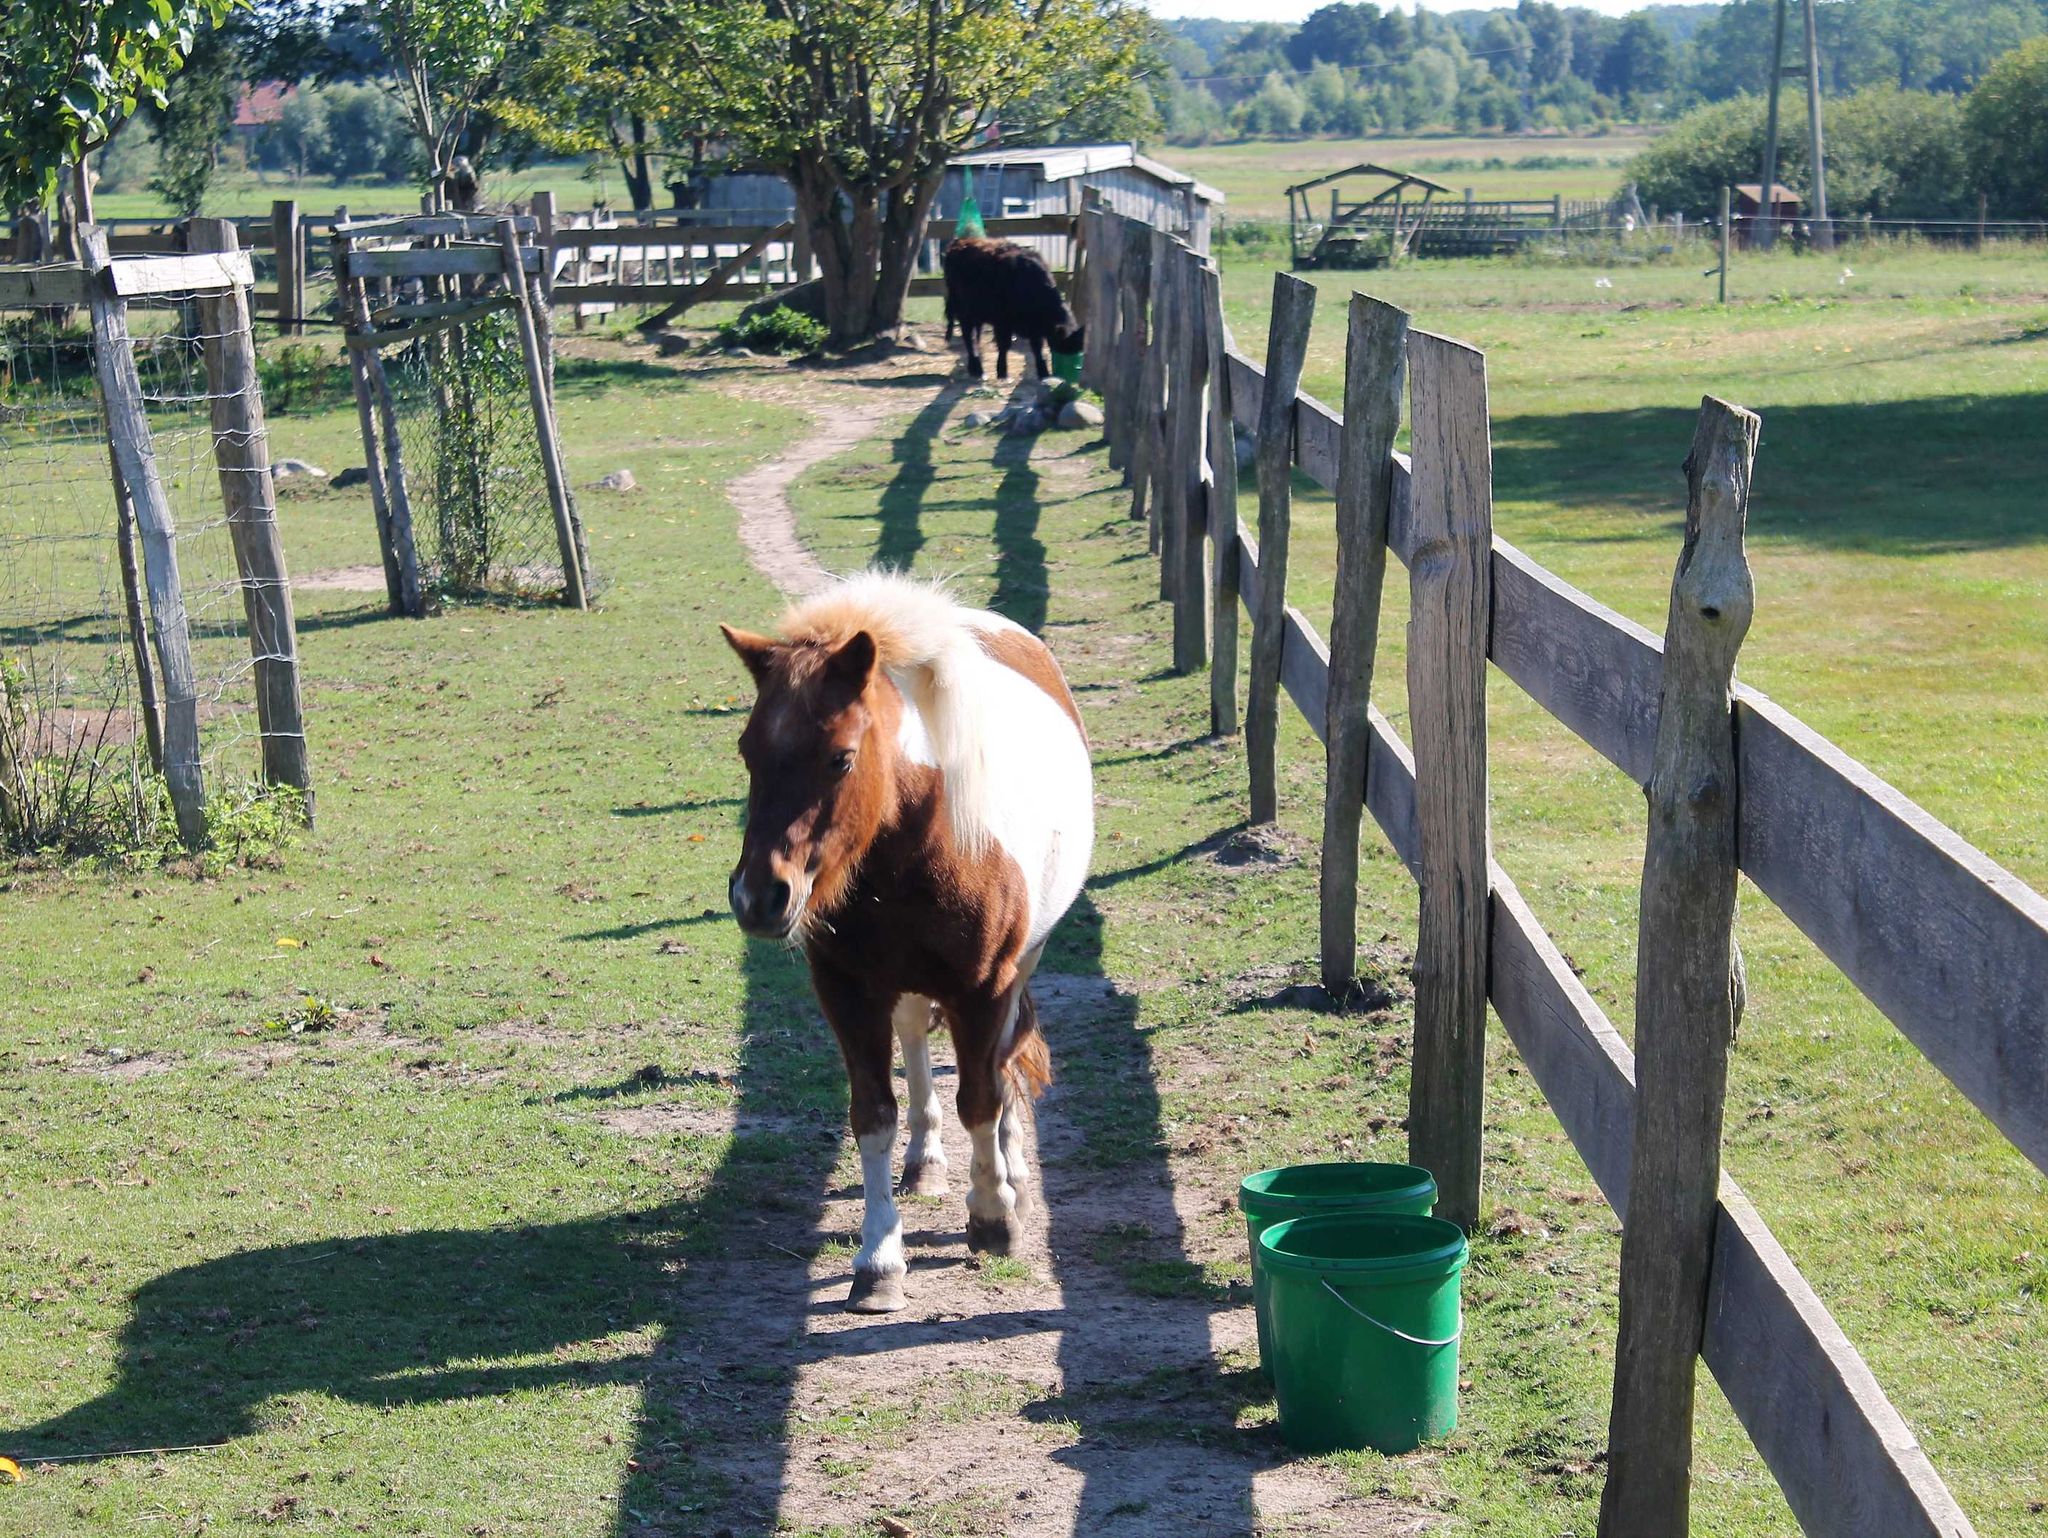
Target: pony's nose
{"points": [[763, 908]]}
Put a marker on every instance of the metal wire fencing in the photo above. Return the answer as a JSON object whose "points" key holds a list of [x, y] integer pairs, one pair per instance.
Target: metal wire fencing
{"points": [[94, 601]]}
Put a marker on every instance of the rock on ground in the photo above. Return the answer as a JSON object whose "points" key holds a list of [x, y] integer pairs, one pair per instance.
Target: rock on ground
{"points": [[288, 467], [1078, 414], [618, 480]]}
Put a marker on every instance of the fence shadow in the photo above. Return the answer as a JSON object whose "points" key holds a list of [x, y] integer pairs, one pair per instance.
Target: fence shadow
{"points": [[1827, 475]]}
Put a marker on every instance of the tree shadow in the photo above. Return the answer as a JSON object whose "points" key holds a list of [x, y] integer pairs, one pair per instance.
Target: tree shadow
{"points": [[448, 1314], [1021, 589], [1901, 478], [900, 508]]}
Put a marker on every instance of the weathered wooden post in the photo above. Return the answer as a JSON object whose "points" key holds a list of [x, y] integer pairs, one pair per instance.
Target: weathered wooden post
{"points": [[1450, 610], [1105, 246], [241, 449], [543, 416], [1294, 305], [1684, 1006], [135, 459], [1169, 342], [1727, 226], [1220, 438], [1375, 373], [1151, 376], [383, 451], [288, 247], [1190, 510], [1134, 303]]}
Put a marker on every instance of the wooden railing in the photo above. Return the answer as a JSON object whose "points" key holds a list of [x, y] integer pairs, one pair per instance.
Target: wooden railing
{"points": [[1950, 947]]}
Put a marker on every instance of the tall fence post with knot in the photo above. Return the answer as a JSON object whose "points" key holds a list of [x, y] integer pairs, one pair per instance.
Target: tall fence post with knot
{"points": [[1685, 1013]]}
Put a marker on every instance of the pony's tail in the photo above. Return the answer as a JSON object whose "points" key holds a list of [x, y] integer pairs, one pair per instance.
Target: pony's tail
{"points": [[1029, 1066]]}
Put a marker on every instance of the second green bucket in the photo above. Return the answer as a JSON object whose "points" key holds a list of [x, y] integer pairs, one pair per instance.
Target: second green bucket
{"points": [[1366, 1319], [1306, 1190]]}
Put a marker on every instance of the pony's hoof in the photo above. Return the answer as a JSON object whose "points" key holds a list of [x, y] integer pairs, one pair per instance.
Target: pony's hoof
{"points": [[925, 1179], [988, 1236], [875, 1293]]}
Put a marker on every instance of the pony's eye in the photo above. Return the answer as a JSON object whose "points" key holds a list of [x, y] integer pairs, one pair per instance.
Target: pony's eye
{"points": [[842, 761]]}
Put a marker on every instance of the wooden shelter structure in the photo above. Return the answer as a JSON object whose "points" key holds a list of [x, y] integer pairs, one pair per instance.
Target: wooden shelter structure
{"points": [[1749, 208], [1336, 241]]}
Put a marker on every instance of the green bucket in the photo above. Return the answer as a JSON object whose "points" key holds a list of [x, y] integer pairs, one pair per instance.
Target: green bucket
{"points": [[1309, 1190], [1067, 366], [1365, 1321]]}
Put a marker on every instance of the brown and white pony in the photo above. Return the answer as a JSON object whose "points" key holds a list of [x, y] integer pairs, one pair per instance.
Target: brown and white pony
{"points": [[920, 815]]}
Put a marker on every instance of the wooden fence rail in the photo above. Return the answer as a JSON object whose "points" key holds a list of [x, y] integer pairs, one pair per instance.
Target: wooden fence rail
{"points": [[1953, 949]]}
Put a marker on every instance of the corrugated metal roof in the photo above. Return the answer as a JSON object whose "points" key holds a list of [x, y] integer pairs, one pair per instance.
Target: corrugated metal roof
{"points": [[1064, 162]]}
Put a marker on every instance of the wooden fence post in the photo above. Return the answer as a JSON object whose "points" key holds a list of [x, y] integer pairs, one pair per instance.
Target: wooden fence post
{"points": [[1151, 376], [1684, 1008], [1105, 246], [543, 417], [1374, 375], [1170, 337], [1294, 305], [1450, 603], [386, 458], [1134, 301], [544, 241], [286, 246], [241, 449], [135, 458], [1220, 435], [1190, 509]]}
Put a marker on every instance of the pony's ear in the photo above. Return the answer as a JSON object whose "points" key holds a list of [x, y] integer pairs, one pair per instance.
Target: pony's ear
{"points": [[753, 650], [849, 668]]}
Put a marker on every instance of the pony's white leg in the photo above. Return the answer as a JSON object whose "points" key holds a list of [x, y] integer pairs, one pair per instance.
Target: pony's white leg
{"points": [[924, 1163], [1011, 1135], [879, 1267], [992, 1201]]}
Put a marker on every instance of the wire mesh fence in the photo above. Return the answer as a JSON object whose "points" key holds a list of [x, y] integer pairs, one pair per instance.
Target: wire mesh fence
{"points": [[482, 521], [81, 735]]}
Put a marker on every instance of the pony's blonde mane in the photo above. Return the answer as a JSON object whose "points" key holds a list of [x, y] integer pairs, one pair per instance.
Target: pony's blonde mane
{"points": [[927, 644]]}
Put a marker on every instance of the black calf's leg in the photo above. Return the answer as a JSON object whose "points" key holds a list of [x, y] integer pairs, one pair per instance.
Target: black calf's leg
{"points": [[970, 337], [1038, 357], [1002, 353]]}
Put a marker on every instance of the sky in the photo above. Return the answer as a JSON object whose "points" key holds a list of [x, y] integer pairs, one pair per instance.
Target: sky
{"points": [[1295, 10]]}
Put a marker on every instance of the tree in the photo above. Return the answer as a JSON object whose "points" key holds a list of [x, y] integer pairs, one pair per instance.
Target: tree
{"points": [[449, 56], [193, 121], [1276, 110], [861, 103], [2005, 129], [1550, 39], [1336, 34], [1640, 60], [72, 70]]}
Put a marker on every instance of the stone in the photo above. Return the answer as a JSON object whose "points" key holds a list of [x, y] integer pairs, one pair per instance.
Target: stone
{"points": [[739, 352], [284, 468], [354, 475], [1022, 424], [977, 419], [618, 480], [671, 343], [1079, 414]]}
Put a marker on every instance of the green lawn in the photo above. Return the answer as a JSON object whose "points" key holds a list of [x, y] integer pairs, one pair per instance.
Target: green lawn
{"points": [[1254, 176], [236, 192]]}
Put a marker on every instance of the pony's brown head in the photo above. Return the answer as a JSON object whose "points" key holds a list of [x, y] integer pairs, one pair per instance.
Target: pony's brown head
{"points": [[820, 752]]}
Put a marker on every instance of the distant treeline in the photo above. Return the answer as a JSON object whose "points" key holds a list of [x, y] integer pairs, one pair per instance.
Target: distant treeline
{"points": [[1353, 69]]}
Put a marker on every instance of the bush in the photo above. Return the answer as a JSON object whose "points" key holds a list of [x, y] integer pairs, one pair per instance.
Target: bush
{"points": [[1892, 154], [2005, 133], [779, 330], [297, 377]]}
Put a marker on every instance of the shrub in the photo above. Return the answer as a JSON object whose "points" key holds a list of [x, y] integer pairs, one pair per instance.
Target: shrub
{"points": [[1892, 154], [2005, 133], [297, 377], [779, 330]]}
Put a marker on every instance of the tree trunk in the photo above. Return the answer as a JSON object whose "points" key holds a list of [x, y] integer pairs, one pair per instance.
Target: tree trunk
{"points": [[639, 179], [866, 257]]}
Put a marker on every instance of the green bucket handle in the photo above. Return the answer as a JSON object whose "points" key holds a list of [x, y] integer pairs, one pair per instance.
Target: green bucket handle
{"points": [[1413, 1340]]}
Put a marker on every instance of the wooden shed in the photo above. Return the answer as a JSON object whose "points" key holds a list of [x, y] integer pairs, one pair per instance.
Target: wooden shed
{"points": [[1749, 207]]}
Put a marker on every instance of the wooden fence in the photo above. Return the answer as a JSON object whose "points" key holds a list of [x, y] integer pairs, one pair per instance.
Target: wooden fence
{"points": [[1951, 948]]}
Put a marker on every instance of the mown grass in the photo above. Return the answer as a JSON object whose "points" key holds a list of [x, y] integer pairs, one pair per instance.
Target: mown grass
{"points": [[1254, 176]]}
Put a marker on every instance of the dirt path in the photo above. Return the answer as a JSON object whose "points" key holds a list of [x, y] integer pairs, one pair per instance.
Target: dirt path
{"points": [[1093, 1384]]}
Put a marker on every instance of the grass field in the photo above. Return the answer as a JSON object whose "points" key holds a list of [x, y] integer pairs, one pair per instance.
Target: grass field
{"points": [[1254, 177], [397, 1261], [235, 193]]}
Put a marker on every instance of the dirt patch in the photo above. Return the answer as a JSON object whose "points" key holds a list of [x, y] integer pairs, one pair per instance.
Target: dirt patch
{"points": [[1091, 1384], [1381, 984], [1266, 848], [341, 579], [120, 1063], [678, 1119]]}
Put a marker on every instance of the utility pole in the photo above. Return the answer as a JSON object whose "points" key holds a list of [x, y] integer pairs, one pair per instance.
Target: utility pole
{"points": [[1823, 232], [1767, 203]]}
